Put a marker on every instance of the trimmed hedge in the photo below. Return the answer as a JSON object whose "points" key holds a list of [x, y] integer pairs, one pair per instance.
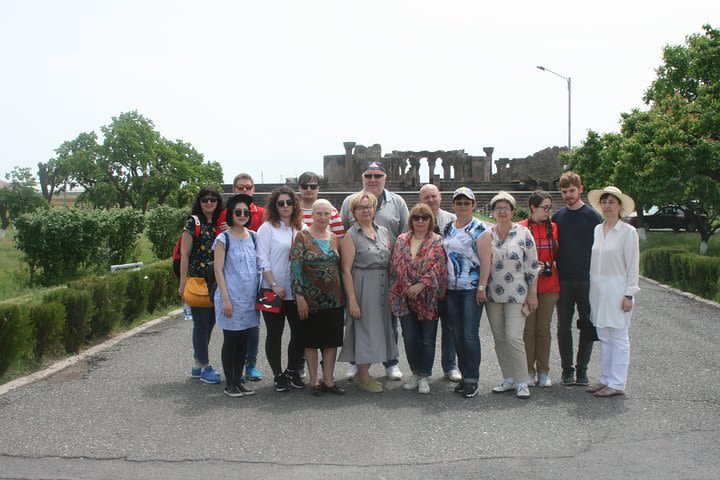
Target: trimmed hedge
{"points": [[15, 334], [687, 271], [86, 309], [164, 225]]}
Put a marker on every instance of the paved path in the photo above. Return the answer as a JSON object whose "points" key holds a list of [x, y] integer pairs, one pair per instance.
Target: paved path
{"points": [[131, 411]]}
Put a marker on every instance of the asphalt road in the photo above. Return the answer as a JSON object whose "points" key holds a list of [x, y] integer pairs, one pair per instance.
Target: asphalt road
{"points": [[132, 412]]}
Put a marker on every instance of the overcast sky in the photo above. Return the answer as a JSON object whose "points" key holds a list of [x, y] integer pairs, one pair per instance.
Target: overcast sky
{"points": [[268, 88]]}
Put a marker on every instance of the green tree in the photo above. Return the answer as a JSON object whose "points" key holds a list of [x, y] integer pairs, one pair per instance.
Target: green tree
{"points": [[671, 152], [19, 197]]}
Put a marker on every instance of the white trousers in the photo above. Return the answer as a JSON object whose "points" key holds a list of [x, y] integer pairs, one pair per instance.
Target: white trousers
{"points": [[614, 354]]}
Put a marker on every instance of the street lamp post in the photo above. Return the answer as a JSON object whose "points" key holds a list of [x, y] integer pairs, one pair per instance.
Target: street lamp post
{"points": [[567, 79]]}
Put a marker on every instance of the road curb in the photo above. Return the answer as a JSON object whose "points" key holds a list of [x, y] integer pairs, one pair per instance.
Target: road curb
{"points": [[62, 364], [691, 296]]}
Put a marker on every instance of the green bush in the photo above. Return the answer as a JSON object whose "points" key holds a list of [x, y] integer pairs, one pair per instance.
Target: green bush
{"points": [[15, 334], [120, 229], [171, 283], [164, 225], [105, 313], [118, 283], [138, 293], [59, 242], [79, 310], [655, 263], [697, 274], [48, 321]]}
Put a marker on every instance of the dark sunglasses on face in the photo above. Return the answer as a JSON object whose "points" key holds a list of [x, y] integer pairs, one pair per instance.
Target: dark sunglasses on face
{"points": [[463, 203], [209, 200], [245, 188], [417, 218], [242, 213], [282, 203], [311, 186], [376, 176]]}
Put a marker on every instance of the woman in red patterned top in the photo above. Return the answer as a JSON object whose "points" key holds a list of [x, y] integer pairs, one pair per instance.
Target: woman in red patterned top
{"points": [[537, 324], [419, 279]]}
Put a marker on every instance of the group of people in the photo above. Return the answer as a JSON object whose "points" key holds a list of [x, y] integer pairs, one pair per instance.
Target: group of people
{"points": [[356, 278]]}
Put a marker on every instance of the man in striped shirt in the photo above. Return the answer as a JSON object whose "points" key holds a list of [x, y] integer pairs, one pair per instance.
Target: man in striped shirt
{"points": [[309, 190]]}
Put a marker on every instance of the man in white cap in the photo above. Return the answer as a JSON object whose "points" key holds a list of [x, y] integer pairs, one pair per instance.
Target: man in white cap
{"points": [[392, 213], [430, 196]]}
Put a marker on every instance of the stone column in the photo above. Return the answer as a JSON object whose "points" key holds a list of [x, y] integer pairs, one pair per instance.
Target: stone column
{"points": [[414, 172], [446, 168], [431, 166], [349, 170], [487, 167]]}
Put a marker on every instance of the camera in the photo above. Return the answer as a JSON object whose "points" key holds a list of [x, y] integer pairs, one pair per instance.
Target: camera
{"points": [[547, 269]]}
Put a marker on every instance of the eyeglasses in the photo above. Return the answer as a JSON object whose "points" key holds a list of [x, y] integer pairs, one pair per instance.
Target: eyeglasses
{"points": [[547, 208], [244, 188], [209, 200], [282, 203], [242, 213], [502, 209], [364, 208], [376, 176], [463, 203], [417, 218], [311, 186]]}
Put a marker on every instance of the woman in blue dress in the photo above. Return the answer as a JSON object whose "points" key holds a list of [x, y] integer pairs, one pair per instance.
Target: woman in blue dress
{"points": [[237, 280]]}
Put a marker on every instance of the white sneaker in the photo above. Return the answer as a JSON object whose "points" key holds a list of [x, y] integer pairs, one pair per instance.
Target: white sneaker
{"points": [[423, 386], [505, 386], [393, 373], [531, 380], [523, 392], [412, 383], [453, 376], [351, 371], [544, 380]]}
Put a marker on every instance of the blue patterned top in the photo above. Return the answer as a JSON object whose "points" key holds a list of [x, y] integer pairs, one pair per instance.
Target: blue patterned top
{"points": [[463, 260], [514, 265]]}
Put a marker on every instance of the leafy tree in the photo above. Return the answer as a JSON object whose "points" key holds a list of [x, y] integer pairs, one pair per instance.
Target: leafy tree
{"points": [[19, 197], [671, 152]]}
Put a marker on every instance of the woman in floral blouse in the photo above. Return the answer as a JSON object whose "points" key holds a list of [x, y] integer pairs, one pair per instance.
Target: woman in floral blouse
{"points": [[315, 281], [419, 279], [512, 288]]}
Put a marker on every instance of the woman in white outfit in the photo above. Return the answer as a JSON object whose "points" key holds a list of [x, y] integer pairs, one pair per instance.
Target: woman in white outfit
{"points": [[614, 270]]}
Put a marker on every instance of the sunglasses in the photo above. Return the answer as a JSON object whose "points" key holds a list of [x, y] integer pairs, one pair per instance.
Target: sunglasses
{"points": [[364, 208], [209, 200], [463, 203], [241, 212], [417, 218], [282, 203], [244, 188], [376, 176], [311, 186]]}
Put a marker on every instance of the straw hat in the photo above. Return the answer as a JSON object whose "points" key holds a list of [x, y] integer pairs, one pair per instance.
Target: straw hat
{"points": [[503, 195], [627, 204]]}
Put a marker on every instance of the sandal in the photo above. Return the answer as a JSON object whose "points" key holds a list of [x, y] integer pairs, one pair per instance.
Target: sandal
{"points": [[317, 390], [334, 388], [608, 392], [595, 387]]}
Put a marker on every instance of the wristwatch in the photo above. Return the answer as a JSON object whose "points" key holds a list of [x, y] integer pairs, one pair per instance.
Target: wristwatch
{"points": [[481, 288], [629, 297]]}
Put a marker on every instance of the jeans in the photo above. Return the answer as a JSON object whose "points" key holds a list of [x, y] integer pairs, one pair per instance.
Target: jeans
{"points": [[465, 313], [396, 360], [571, 294], [203, 323], [447, 342], [253, 341], [275, 325], [419, 337]]}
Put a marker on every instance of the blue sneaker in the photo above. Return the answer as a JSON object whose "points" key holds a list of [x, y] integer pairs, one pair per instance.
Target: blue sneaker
{"points": [[195, 372], [209, 375], [252, 372]]}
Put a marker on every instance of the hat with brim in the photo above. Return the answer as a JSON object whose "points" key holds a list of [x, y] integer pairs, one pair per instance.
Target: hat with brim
{"points": [[503, 196], [627, 204]]}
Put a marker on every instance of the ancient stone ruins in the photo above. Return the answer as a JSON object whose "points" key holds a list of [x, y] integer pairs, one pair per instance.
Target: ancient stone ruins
{"points": [[540, 170]]}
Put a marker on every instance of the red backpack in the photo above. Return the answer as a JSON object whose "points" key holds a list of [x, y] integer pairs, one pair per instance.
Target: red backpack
{"points": [[177, 252]]}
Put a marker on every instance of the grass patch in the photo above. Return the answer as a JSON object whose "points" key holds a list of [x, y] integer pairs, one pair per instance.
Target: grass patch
{"points": [[683, 240]]}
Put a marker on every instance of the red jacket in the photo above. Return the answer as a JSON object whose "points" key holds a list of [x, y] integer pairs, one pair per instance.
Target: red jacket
{"points": [[546, 253]]}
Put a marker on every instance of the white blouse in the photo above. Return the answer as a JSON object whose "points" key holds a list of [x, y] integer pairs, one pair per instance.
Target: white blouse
{"points": [[614, 268], [273, 253]]}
